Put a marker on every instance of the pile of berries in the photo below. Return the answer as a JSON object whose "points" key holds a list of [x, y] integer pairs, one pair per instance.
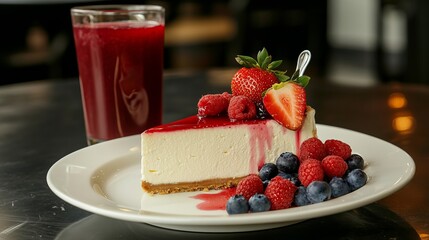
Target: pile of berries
{"points": [[259, 91], [320, 171]]}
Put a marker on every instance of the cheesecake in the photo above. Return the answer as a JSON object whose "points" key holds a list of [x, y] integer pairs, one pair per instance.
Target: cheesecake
{"points": [[233, 134], [208, 153]]}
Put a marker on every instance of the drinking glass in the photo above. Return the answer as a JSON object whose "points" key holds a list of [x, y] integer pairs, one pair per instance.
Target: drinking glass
{"points": [[119, 51]]}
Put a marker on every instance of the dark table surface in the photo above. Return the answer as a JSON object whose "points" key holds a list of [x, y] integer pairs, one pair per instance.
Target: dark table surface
{"points": [[42, 121]]}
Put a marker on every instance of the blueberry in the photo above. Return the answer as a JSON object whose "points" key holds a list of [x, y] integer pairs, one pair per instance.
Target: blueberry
{"points": [[284, 175], [259, 203], [261, 111], [268, 171], [265, 183], [339, 187], [300, 198], [293, 177], [295, 181], [237, 204], [355, 161], [356, 179], [318, 191], [288, 162]]}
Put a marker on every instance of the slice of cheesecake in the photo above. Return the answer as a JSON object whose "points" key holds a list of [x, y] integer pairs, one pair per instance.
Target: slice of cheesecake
{"points": [[214, 153]]}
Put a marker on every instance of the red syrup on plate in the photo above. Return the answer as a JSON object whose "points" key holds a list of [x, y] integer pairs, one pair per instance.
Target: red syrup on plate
{"points": [[214, 201]]}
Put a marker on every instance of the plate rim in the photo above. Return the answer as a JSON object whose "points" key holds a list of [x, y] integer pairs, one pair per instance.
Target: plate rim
{"points": [[315, 210]]}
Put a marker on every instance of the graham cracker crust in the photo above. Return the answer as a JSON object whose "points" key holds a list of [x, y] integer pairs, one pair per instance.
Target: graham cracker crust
{"points": [[212, 184]]}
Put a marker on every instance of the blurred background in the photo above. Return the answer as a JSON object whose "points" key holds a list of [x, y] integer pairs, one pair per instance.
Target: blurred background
{"points": [[352, 42]]}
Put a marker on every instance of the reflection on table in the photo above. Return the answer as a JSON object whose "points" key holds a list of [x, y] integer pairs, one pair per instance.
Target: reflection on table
{"points": [[370, 222]]}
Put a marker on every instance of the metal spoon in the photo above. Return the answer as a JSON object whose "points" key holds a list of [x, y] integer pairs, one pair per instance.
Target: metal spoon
{"points": [[303, 60]]}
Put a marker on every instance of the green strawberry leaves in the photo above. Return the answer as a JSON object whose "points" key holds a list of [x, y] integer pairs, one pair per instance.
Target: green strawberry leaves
{"points": [[275, 64], [264, 61], [281, 76], [263, 58], [302, 80], [246, 61]]}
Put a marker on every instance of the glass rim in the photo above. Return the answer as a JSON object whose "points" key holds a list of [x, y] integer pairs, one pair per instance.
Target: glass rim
{"points": [[115, 9]]}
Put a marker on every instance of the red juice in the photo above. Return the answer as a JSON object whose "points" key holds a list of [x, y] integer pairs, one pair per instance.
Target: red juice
{"points": [[120, 70]]}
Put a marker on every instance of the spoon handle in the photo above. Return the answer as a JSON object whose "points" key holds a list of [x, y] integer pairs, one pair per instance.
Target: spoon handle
{"points": [[303, 60]]}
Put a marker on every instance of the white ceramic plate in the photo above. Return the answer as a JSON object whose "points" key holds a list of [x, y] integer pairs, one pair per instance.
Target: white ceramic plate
{"points": [[105, 179]]}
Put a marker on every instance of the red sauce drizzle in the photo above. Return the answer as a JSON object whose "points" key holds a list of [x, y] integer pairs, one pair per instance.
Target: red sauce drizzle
{"points": [[214, 201], [261, 137], [194, 122]]}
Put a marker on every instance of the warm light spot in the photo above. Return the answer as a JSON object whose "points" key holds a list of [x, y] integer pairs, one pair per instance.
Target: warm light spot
{"points": [[403, 123], [424, 236], [397, 100]]}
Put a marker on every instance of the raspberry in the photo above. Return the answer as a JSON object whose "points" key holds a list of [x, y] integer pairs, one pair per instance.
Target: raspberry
{"points": [[334, 166], [227, 96], [312, 148], [213, 104], [310, 170], [250, 186], [241, 107], [280, 192], [337, 147]]}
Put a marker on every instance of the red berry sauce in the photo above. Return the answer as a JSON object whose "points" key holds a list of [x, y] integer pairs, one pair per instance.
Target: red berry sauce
{"points": [[214, 201]]}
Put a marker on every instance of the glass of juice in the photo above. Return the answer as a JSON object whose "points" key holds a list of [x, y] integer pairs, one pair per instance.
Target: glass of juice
{"points": [[119, 51]]}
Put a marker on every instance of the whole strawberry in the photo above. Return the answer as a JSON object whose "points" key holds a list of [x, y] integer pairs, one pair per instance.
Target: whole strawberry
{"points": [[280, 192], [250, 186], [256, 76]]}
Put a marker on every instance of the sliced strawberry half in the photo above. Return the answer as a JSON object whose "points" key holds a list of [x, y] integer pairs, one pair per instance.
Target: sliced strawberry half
{"points": [[286, 103]]}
